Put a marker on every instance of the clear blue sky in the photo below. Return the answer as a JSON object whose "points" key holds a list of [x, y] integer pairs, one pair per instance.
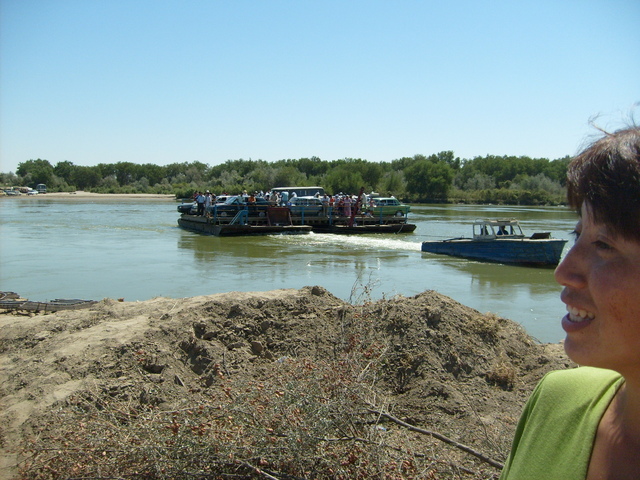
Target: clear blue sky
{"points": [[162, 81]]}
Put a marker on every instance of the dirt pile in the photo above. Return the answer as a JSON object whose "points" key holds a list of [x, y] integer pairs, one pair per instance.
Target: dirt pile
{"points": [[279, 384]]}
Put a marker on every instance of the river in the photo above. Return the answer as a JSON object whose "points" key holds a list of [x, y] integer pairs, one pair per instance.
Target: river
{"points": [[63, 248]]}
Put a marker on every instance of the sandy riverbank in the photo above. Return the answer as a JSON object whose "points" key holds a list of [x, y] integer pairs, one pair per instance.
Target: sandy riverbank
{"points": [[97, 196], [82, 194]]}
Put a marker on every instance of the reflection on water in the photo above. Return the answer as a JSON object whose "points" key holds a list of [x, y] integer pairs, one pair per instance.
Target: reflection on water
{"points": [[504, 277], [75, 248]]}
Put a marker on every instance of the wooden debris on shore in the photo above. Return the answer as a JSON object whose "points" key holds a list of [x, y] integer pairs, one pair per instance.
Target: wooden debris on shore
{"points": [[13, 301]]}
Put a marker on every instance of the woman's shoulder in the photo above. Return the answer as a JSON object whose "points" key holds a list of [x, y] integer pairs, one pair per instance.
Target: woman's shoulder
{"points": [[577, 380], [581, 375], [555, 433]]}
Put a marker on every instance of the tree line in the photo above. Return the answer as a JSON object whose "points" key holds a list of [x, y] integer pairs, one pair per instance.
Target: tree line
{"points": [[440, 177]]}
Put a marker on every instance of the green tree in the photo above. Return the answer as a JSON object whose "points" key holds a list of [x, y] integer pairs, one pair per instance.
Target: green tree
{"points": [[344, 179], [428, 180], [288, 176], [392, 182], [175, 170], [557, 170], [309, 166], [126, 173], [109, 183], [86, 177], [152, 174], [480, 181], [401, 164], [64, 170], [262, 178], [228, 182], [8, 179], [197, 172], [38, 171], [448, 157]]}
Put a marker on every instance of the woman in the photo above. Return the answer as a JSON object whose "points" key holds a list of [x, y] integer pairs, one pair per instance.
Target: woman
{"points": [[584, 423]]}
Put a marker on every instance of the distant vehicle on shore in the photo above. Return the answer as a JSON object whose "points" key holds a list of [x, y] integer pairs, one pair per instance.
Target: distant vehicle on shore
{"points": [[41, 188], [15, 191]]}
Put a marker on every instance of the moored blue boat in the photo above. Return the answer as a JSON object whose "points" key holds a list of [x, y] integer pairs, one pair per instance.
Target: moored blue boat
{"points": [[501, 241]]}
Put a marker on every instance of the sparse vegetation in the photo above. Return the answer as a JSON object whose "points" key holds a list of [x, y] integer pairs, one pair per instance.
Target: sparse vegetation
{"points": [[503, 373]]}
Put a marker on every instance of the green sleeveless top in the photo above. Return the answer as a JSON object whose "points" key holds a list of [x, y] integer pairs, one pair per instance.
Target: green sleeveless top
{"points": [[556, 432]]}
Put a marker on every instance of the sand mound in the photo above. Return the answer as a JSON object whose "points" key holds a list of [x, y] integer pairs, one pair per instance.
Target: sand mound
{"points": [[426, 360]]}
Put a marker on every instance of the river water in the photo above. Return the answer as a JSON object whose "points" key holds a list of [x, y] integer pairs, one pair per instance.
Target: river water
{"points": [[59, 247]]}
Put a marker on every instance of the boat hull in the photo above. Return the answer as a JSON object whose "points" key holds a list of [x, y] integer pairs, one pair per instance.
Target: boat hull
{"points": [[523, 251], [203, 225], [272, 224]]}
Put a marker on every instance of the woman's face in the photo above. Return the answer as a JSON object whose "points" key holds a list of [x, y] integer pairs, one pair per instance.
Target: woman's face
{"points": [[601, 279]]}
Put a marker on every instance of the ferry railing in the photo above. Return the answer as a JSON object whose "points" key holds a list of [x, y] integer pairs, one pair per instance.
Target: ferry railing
{"points": [[242, 214], [240, 218], [304, 211]]}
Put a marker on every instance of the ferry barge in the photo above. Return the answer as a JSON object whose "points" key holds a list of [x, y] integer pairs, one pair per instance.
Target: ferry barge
{"points": [[236, 217], [271, 220]]}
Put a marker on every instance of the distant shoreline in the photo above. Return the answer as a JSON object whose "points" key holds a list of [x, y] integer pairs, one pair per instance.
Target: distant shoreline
{"points": [[98, 196]]}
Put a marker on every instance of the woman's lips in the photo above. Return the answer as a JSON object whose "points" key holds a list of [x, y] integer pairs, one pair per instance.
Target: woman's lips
{"points": [[576, 319]]}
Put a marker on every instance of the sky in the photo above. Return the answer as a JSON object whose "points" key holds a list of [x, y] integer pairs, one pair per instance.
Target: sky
{"points": [[165, 81]]}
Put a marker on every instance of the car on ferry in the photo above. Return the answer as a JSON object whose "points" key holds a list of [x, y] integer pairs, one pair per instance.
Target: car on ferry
{"points": [[188, 207], [307, 206], [383, 206], [192, 207], [232, 205]]}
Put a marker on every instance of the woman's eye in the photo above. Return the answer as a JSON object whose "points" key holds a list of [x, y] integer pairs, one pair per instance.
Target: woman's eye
{"points": [[602, 245], [575, 234]]}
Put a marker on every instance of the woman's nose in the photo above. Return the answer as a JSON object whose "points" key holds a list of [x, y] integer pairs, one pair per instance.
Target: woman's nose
{"points": [[570, 271]]}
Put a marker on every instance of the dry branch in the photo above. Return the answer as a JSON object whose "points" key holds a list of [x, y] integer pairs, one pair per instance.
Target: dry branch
{"points": [[440, 437]]}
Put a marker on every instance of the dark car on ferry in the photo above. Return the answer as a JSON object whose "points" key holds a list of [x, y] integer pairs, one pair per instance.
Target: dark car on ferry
{"points": [[192, 207], [232, 205], [189, 207]]}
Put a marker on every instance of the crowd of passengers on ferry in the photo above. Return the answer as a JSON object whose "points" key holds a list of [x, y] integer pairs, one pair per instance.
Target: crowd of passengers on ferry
{"points": [[341, 204]]}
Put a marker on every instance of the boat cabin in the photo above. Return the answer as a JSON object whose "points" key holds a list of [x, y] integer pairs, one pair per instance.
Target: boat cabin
{"points": [[495, 229]]}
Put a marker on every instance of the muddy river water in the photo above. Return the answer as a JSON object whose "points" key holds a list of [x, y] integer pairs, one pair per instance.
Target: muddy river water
{"points": [[85, 248]]}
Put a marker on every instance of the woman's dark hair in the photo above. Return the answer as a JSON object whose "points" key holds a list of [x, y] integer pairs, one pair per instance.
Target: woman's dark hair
{"points": [[607, 176]]}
